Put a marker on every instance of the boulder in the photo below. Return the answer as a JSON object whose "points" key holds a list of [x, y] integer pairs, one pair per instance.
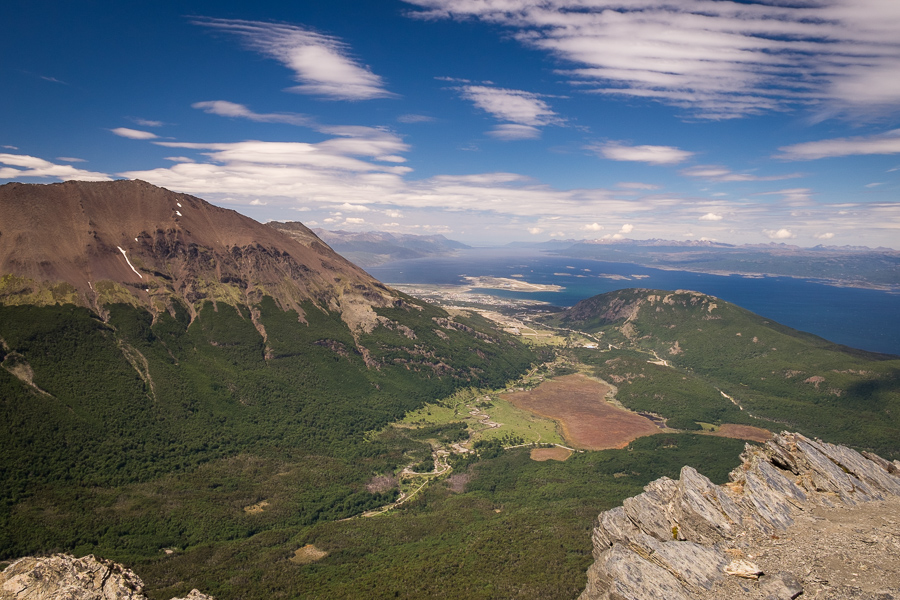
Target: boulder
{"points": [[64, 577]]}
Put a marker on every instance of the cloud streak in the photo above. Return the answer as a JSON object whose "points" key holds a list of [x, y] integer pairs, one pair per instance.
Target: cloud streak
{"points": [[224, 108], [885, 143], [134, 134], [654, 155], [321, 63], [22, 165], [523, 111], [717, 60], [724, 174]]}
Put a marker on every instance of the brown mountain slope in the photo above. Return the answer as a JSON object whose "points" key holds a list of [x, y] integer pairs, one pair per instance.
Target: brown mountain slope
{"points": [[92, 243]]}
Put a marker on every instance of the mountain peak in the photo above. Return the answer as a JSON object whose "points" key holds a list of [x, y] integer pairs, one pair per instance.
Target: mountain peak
{"points": [[95, 243]]}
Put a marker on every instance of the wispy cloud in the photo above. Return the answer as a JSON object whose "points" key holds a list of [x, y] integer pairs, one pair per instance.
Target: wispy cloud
{"points": [[70, 159], [22, 165], [134, 134], [224, 108], [321, 63], [885, 143], [654, 155], [637, 185], [717, 60], [724, 174], [523, 111], [512, 131], [515, 106], [412, 118], [147, 122], [711, 217]]}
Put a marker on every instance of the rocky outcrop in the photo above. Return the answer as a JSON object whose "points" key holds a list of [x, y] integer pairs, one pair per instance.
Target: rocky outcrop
{"points": [[777, 530], [64, 577]]}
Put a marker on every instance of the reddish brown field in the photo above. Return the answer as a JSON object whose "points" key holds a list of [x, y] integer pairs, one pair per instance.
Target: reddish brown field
{"points": [[743, 432], [555, 453], [586, 419]]}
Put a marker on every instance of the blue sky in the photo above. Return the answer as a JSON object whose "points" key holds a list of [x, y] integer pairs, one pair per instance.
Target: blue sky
{"points": [[485, 120]]}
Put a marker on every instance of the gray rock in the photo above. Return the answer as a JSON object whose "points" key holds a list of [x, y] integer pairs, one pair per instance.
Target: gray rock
{"points": [[866, 470], [623, 574], [196, 595], [64, 577], [697, 512], [717, 527], [781, 586], [651, 512]]}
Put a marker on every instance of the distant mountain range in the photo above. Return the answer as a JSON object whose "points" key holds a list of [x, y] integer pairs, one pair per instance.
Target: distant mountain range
{"points": [[854, 266], [373, 248]]}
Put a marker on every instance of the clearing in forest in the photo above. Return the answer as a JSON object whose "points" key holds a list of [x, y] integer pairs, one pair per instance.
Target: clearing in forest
{"points": [[587, 420], [555, 453], [742, 432]]}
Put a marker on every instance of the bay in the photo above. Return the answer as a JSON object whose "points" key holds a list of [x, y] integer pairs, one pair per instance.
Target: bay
{"points": [[856, 317]]}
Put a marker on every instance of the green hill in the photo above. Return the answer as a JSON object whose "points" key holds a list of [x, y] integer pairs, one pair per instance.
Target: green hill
{"points": [[695, 358]]}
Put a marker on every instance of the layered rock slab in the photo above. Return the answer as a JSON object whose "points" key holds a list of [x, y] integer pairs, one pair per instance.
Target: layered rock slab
{"points": [[692, 539], [64, 577]]}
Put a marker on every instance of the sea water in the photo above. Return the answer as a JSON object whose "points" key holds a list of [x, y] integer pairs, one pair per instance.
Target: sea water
{"points": [[861, 318]]}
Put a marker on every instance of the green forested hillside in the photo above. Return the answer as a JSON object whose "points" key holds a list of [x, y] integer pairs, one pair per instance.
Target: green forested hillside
{"points": [[726, 364], [130, 401]]}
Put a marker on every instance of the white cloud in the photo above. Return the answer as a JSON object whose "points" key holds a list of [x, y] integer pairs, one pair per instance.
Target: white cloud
{"points": [[147, 122], [257, 202], [515, 106], [179, 159], [354, 221], [354, 207], [716, 60], [511, 131], [627, 228], [394, 214], [885, 143], [654, 155], [321, 63], [30, 166], [724, 174], [593, 227], [10, 147], [780, 234], [535, 230], [70, 159], [134, 134], [711, 217], [224, 108], [824, 236]]}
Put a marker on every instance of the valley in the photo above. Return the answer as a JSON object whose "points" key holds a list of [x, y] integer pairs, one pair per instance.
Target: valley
{"points": [[239, 410]]}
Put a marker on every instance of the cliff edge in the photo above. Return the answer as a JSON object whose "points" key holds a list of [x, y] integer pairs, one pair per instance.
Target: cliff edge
{"points": [[798, 517]]}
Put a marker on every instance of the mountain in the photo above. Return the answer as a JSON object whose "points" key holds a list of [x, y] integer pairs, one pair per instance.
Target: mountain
{"points": [[152, 341], [839, 265], [373, 248], [697, 359], [93, 244]]}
